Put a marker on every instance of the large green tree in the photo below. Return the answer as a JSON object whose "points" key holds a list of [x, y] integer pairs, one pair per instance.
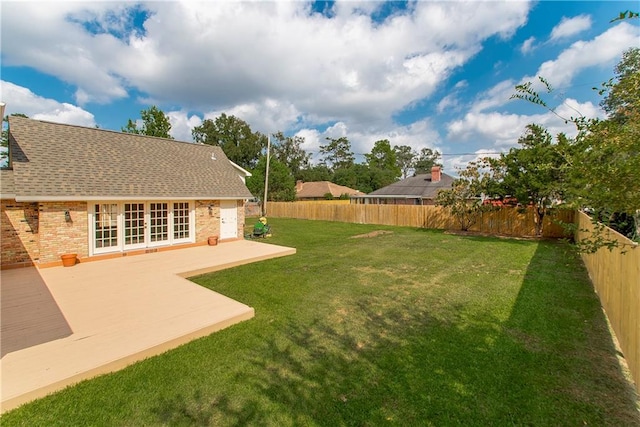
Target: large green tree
{"points": [[337, 154], [382, 164], [289, 151], [533, 173], [383, 157], [405, 157], [154, 123], [234, 136], [623, 91], [425, 161], [357, 176], [281, 186], [604, 158], [316, 173]]}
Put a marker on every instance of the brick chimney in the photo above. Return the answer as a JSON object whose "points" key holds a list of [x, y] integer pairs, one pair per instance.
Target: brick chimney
{"points": [[298, 185], [436, 174]]}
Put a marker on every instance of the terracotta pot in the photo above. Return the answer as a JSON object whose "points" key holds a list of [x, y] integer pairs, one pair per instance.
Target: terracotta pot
{"points": [[213, 240], [69, 260]]}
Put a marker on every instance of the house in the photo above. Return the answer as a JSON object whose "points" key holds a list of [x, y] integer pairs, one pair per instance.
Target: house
{"points": [[318, 190], [99, 193], [417, 190]]}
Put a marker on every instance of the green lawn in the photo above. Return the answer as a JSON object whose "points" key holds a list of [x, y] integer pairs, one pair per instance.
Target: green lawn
{"points": [[411, 327]]}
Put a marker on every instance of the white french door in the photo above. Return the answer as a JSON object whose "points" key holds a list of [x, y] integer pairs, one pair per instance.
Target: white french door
{"points": [[158, 223], [135, 226], [138, 225]]}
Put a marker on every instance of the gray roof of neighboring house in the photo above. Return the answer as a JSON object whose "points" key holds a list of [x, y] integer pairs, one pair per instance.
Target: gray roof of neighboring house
{"points": [[53, 161], [318, 189], [415, 187]]}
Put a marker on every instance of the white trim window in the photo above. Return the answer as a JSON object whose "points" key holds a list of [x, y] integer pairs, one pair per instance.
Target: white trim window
{"points": [[121, 226]]}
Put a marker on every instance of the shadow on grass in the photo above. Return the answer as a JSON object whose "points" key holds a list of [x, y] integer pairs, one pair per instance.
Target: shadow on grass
{"points": [[552, 362]]}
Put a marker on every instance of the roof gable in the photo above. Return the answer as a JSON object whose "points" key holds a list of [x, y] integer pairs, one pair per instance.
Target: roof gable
{"points": [[59, 161]]}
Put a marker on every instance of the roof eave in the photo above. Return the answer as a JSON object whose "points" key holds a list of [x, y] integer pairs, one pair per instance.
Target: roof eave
{"points": [[116, 198]]}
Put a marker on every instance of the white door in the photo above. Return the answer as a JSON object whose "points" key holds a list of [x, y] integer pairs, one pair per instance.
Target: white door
{"points": [[135, 226], [158, 223], [228, 219]]}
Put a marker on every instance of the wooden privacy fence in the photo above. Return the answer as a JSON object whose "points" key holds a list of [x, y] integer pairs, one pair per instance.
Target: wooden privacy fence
{"points": [[616, 277], [506, 221]]}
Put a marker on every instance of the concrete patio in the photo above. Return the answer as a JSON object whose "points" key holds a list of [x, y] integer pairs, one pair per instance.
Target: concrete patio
{"points": [[63, 325]]}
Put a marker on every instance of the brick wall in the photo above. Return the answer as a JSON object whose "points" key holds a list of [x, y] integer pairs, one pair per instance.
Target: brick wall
{"points": [[241, 219], [207, 224], [59, 236], [19, 238]]}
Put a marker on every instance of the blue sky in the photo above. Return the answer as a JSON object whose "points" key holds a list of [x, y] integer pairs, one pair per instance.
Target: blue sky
{"points": [[426, 74]]}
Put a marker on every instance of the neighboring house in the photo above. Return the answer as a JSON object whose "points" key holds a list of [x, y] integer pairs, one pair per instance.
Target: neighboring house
{"points": [[417, 190], [94, 192], [318, 190]]}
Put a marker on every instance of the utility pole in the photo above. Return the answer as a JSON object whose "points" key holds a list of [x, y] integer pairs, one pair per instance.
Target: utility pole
{"points": [[266, 178]]}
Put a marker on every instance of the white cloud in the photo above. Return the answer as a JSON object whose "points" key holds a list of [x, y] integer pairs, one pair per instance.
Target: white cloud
{"points": [[21, 100], [226, 54], [182, 124], [278, 66], [528, 45], [448, 102], [570, 26], [602, 50]]}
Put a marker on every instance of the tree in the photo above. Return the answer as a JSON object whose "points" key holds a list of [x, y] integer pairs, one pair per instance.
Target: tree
{"points": [[337, 153], [289, 151], [358, 176], [623, 92], [604, 158], [4, 153], [234, 136], [281, 186], [384, 158], [405, 157], [154, 123], [315, 173], [533, 173], [425, 161], [464, 198]]}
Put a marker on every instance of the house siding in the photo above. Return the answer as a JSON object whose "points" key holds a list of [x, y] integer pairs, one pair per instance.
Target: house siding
{"points": [[38, 233], [19, 238]]}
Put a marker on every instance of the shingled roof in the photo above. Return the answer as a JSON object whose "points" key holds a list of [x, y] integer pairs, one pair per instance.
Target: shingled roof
{"points": [[318, 189], [53, 161], [415, 187]]}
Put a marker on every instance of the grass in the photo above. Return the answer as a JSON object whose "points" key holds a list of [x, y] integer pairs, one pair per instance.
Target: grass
{"points": [[412, 327]]}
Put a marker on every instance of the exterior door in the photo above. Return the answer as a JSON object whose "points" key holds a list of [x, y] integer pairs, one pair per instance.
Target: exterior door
{"points": [[123, 226], [158, 223], [134, 226], [105, 227], [228, 219]]}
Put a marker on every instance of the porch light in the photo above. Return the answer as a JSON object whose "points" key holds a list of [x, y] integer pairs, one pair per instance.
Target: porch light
{"points": [[67, 216], [210, 210]]}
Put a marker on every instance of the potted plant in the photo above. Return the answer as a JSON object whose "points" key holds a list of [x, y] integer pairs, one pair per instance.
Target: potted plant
{"points": [[213, 240], [69, 260]]}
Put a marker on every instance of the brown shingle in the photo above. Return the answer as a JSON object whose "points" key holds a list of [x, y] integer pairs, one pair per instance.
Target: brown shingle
{"points": [[7, 190], [52, 160]]}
